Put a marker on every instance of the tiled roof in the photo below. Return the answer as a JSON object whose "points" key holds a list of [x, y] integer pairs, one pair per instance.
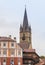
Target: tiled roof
{"points": [[24, 45], [6, 39], [29, 50]]}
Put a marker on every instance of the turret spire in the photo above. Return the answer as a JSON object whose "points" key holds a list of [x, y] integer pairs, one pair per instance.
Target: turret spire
{"points": [[25, 20]]}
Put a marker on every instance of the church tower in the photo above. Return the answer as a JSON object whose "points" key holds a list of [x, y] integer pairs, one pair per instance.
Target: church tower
{"points": [[25, 33]]}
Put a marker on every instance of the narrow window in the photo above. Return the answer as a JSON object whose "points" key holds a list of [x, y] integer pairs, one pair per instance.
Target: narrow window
{"points": [[4, 62], [0, 44], [12, 52], [12, 44], [4, 44], [4, 52], [12, 62], [18, 61], [0, 51], [19, 52]]}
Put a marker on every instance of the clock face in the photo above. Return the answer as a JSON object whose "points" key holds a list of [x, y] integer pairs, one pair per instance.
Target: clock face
{"points": [[23, 38]]}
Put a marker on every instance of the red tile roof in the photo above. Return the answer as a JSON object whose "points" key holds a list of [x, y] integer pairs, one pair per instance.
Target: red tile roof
{"points": [[29, 50], [6, 39]]}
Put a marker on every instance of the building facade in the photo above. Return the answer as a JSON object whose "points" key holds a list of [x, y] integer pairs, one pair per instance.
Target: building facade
{"points": [[10, 52]]}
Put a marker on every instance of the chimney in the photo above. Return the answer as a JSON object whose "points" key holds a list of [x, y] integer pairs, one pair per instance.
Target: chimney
{"points": [[15, 39]]}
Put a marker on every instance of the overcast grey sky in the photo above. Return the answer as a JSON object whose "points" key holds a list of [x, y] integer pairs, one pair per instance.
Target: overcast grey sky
{"points": [[11, 16]]}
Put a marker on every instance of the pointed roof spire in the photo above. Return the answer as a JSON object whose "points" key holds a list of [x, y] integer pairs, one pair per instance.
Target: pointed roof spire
{"points": [[25, 20]]}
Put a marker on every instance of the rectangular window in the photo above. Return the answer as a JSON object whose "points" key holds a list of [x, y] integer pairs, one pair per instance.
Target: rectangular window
{"points": [[12, 62], [0, 44], [4, 62], [12, 44], [18, 63], [4, 44], [12, 52], [0, 51], [4, 52], [19, 52]]}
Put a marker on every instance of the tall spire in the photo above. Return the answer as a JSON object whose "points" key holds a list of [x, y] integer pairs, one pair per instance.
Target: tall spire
{"points": [[25, 20]]}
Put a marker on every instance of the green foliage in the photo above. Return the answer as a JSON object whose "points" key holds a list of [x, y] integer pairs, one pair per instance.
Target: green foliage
{"points": [[42, 57]]}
